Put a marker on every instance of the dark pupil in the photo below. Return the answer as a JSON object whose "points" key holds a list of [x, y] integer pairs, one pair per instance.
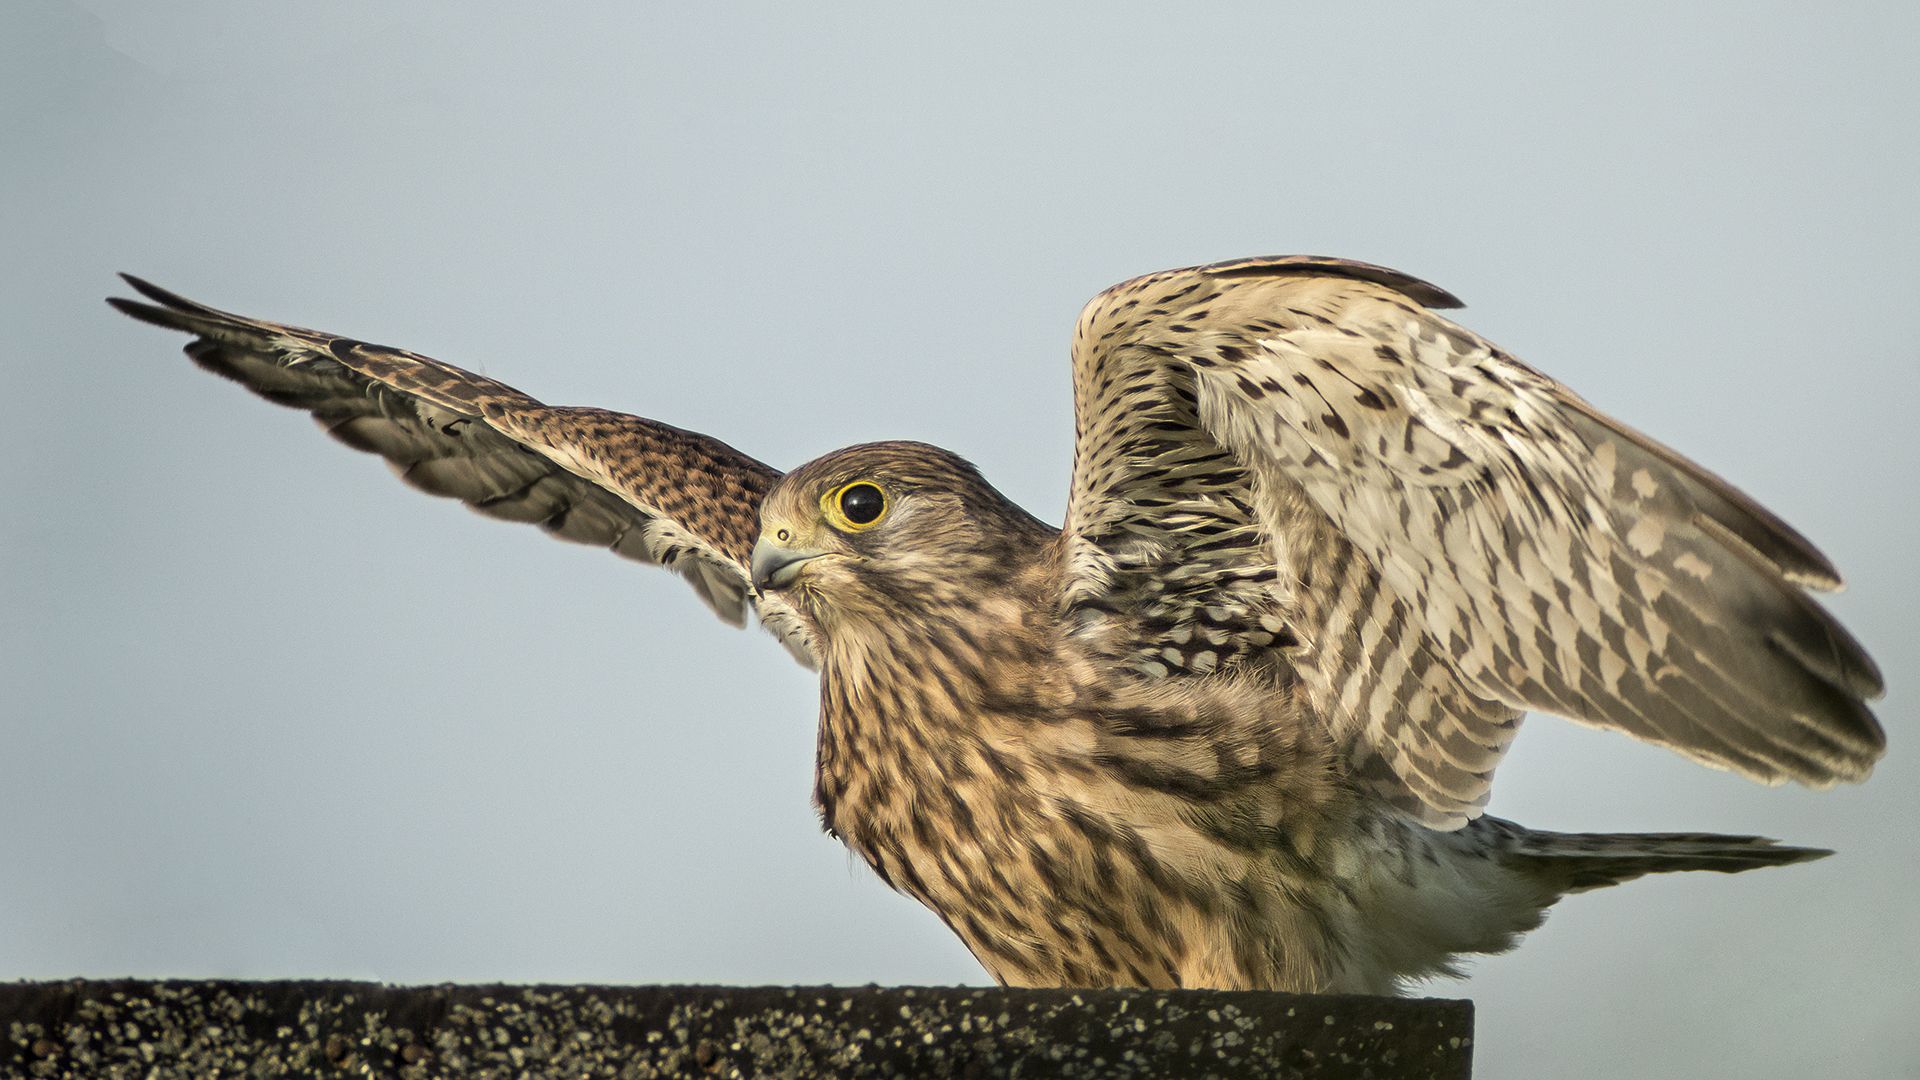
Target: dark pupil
{"points": [[862, 503]]}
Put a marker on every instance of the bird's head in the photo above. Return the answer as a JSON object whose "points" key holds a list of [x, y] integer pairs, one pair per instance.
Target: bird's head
{"points": [[882, 529]]}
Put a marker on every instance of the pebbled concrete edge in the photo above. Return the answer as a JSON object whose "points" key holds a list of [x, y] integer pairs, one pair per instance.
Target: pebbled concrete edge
{"points": [[87, 1028]]}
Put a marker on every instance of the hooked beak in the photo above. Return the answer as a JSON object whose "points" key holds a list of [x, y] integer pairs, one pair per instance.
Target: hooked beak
{"points": [[775, 566]]}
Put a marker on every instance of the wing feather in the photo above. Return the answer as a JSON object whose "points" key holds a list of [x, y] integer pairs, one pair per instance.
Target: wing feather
{"points": [[1456, 538], [645, 490]]}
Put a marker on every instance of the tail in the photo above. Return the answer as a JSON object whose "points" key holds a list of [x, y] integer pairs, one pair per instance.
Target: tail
{"points": [[1576, 862]]}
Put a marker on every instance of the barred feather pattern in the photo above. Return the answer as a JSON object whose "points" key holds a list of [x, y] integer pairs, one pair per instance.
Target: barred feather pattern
{"points": [[1459, 538], [645, 490], [1234, 724], [1170, 573]]}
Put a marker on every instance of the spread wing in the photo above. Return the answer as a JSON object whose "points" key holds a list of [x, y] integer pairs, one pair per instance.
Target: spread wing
{"points": [[645, 490], [1441, 538]]}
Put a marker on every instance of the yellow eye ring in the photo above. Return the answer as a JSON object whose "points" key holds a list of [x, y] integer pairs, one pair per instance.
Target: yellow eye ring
{"points": [[855, 507]]}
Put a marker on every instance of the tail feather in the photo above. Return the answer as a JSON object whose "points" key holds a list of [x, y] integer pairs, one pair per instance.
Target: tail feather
{"points": [[1578, 862]]}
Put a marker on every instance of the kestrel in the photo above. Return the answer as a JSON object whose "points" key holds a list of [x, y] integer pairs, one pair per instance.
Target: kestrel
{"points": [[1232, 725]]}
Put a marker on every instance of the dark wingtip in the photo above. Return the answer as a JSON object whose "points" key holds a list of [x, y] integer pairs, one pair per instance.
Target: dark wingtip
{"points": [[1808, 854], [1765, 851], [175, 312], [159, 295], [147, 313], [1424, 293]]}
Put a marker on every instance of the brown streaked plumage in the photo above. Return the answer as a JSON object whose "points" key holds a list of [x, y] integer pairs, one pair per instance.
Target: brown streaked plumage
{"points": [[1234, 724]]}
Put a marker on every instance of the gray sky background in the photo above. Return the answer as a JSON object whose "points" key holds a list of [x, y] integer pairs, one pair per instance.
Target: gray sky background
{"points": [[269, 713]]}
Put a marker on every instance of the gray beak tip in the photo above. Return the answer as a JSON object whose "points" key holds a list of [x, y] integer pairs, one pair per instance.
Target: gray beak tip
{"points": [[774, 566]]}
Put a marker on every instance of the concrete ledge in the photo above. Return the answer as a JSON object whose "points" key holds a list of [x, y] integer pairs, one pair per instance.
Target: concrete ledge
{"points": [[165, 1030]]}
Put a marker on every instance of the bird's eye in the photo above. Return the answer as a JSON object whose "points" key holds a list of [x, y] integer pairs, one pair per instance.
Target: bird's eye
{"points": [[862, 503], [855, 506]]}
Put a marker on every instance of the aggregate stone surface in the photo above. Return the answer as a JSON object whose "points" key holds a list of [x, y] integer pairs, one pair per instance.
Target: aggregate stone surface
{"points": [[179, 1030]]}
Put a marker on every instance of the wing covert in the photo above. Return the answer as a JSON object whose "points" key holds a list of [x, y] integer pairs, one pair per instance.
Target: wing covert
{"points": [[645, 490]]}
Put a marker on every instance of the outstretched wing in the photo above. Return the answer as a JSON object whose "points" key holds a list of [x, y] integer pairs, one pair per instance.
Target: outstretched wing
{"points": [[645, 490], [1451, 537]]}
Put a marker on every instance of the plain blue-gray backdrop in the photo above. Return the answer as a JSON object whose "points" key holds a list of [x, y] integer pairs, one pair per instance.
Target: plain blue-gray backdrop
{"points": [[269, 713]]}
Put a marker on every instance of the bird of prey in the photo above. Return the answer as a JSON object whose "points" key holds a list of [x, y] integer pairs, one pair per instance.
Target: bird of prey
{"points": [[1233, 724]]}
